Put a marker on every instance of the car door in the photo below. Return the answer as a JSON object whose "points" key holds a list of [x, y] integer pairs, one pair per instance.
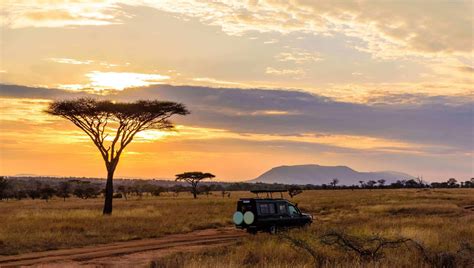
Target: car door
{"points": [[284, 219], [294, 214]]}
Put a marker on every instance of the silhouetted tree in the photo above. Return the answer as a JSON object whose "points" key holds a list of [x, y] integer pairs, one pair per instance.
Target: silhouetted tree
{"points": [[20, 194], [381, 183], [294, 190], [118, 122], [205, 189], [64, 190], [371, 184], [193, 178], [157, 190], [86, 192], [452, 183], [411, 183], [47, 193], [469, 184], [122, 189], [34, 193], [362, 184], [3, 187], [334, 182]]}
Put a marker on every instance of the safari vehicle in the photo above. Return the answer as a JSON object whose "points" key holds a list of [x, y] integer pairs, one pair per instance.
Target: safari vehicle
{"points": [[268, 214]]}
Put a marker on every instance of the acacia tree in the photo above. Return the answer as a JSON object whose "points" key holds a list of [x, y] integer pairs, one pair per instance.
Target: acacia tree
{"points": [[295, 190], [193, 178], [113, 125]]}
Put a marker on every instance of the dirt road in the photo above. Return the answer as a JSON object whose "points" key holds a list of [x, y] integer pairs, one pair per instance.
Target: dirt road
{"points": [[131, 253]]}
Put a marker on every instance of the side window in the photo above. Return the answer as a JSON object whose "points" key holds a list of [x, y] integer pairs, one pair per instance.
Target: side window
{"points": [[282, 208], [266, 208], [292, 210]]}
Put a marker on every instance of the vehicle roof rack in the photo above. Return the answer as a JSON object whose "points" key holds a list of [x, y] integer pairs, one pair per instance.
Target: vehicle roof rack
{"points": [[268, 192]]}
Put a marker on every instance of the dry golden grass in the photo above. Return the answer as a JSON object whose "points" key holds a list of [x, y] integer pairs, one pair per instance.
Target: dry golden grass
{"points": [[435, 218], [36, 225]]}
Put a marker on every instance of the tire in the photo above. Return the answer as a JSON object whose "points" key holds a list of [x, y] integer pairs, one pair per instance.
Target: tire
{"points": [[252, 231]]}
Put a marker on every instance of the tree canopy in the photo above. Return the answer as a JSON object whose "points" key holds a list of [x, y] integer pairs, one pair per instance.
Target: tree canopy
{"points": [[193, 178], [94, 116], [113, 125]]}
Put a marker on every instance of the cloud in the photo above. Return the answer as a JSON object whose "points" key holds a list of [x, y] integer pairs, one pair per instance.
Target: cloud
{"points": [[71, 61], [434, 124], [387, 29], [215, 81], [466, 69], [28, 13], [296, 73], [122, 80], [298, 56], [85, 62]]}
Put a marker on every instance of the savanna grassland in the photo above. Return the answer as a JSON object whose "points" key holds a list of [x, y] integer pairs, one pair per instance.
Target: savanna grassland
{"points": [[440, 221], [437, 219]]}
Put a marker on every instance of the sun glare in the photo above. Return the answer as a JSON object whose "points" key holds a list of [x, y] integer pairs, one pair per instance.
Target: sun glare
{"points": [[120, 81]]}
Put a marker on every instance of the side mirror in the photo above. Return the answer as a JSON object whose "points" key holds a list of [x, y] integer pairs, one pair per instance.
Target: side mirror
{"points": [[296, 204]]}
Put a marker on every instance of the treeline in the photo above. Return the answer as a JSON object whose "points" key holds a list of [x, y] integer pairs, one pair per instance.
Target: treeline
{"points": [[400, 184], [46, 188]]}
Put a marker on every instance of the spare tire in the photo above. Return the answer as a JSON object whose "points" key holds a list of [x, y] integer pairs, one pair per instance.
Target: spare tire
{"points": [[249, 217], [238, 218]]}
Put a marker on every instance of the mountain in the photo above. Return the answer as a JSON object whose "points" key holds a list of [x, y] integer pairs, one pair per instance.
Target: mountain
{"points": [[316, 174]]}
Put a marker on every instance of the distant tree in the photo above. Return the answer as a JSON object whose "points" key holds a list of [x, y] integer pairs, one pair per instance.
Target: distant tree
{"points": [[469, 184], [411, 183], [4, 185], [362, 184], [47, 193], [137, 190], [205, 189], [177, 189], [294, 190], [122, 189], [452, 183], [193, 178], [157, 190], [225, 193], [20, 194], [334, 182], [86, 190], [64, 190], [34, 193], [116, 121], [371, 183], [381, 183], [420, 181]]}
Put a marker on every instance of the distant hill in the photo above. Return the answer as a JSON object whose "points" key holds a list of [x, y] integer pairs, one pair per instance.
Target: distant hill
{"points": [[316, 174]]}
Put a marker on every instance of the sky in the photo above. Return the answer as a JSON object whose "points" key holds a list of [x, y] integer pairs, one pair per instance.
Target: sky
{"points": [[374, 85]]}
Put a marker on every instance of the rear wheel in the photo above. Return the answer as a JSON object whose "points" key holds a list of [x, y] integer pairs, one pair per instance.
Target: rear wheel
{"points": [[252, 231]]}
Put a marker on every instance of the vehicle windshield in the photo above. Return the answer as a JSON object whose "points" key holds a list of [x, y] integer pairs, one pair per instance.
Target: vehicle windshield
{"points": [[292, 210]]}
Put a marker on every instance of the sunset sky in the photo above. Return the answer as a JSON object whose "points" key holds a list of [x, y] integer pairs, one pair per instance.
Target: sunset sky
{"points": [[374, 85]]}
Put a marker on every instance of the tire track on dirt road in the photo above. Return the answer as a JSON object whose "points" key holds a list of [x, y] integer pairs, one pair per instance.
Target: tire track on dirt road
{"points": [[202, 238]]}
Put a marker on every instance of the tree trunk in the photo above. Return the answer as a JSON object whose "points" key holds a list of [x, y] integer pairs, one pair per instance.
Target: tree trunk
{"points": [[109, 192], [194, 192]]}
